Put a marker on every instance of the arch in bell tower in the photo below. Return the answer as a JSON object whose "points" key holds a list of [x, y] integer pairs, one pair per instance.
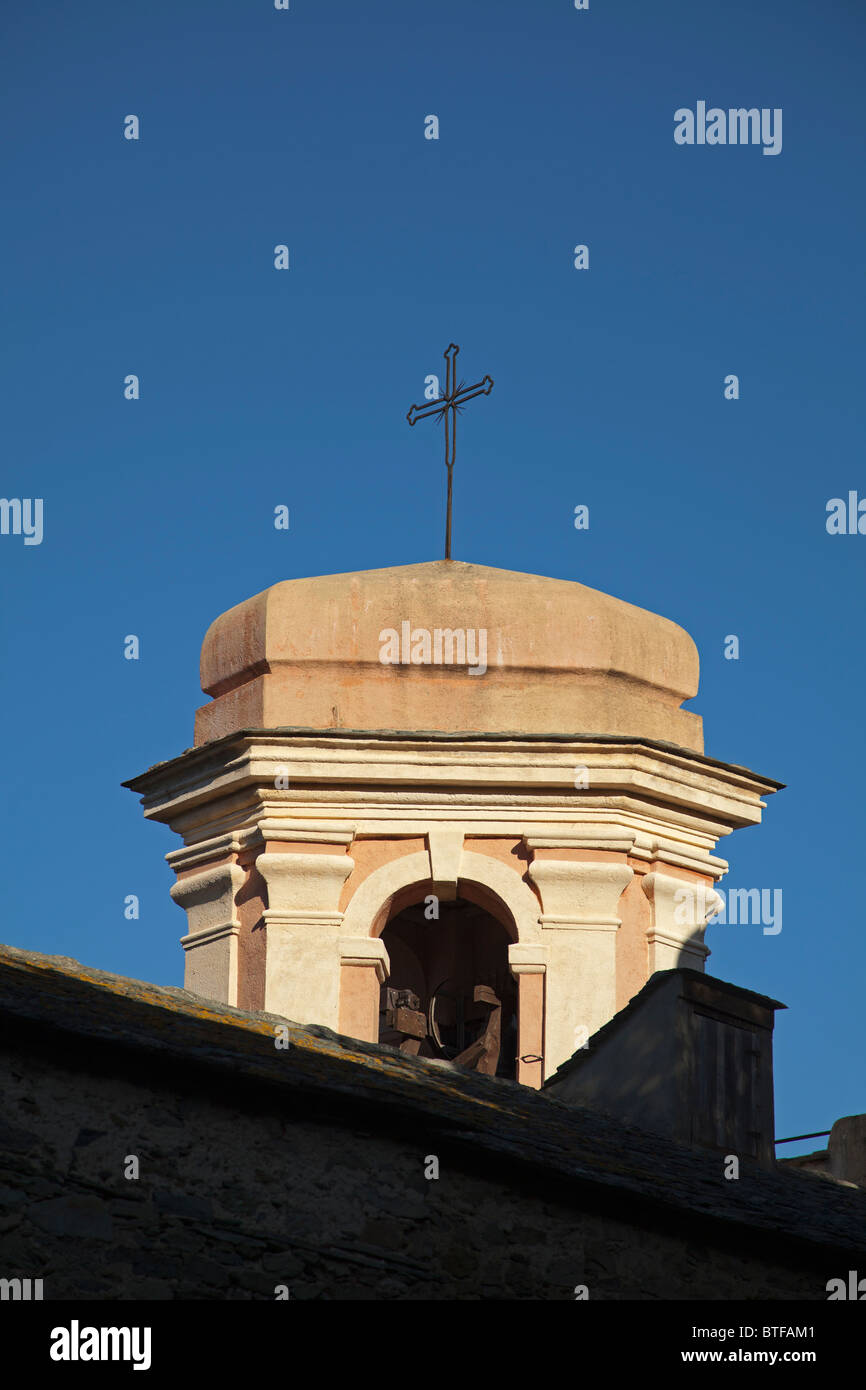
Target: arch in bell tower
{"points": [[505, 946], [450, 992]]}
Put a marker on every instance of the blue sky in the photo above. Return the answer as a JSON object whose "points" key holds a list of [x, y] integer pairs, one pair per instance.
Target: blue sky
{"points": [[260, 388]]}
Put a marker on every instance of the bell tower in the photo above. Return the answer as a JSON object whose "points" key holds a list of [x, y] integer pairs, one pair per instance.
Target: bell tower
{"points": [[456, 809]]}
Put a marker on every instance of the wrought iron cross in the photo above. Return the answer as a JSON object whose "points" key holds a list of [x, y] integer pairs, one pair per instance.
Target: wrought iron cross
{"points": [[446, 408]]}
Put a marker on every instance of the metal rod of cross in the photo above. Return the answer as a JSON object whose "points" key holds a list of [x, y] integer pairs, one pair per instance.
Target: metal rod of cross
{"points": [[446, 408]]}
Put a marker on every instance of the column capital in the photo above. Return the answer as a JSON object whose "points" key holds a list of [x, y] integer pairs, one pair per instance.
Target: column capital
{"points": [[580, 892], [207, 897], [304, 886]]}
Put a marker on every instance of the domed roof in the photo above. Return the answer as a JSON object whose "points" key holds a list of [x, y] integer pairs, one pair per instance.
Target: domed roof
{"points": [[450, 647]]}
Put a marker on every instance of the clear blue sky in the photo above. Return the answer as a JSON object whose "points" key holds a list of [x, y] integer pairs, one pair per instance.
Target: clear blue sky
{"points": [[261, 387]]}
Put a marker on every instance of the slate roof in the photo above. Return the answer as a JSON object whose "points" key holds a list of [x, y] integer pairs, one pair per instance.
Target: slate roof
{"points": [[514, 1129]]}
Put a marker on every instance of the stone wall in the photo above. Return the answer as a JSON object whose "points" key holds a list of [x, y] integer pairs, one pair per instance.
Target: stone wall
{"points": [[305, 1167]]}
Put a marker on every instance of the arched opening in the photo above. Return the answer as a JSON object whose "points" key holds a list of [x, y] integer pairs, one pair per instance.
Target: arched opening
{"points": [[450, 992]]}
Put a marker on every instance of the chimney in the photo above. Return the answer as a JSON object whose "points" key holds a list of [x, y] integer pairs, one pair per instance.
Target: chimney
{"points": [[845, 1155], [689, 1057]]}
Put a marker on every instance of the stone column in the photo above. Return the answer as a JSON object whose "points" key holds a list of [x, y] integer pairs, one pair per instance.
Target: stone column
{"points": [[211, 945], [579, 925], [302, 921], [679, 915], [528, 965]]}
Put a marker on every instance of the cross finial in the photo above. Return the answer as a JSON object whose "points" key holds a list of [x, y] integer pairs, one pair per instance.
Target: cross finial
{"points": [[446, 408]]}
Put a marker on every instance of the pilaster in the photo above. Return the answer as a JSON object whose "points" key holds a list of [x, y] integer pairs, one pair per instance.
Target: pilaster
{"points": [[528, 965], [680, 911], [302, 923], [211, 945], [364, 966], [579, 924]]}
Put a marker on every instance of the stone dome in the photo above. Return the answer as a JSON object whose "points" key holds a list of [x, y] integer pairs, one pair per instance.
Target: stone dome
{"points": [[447, 647]]}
